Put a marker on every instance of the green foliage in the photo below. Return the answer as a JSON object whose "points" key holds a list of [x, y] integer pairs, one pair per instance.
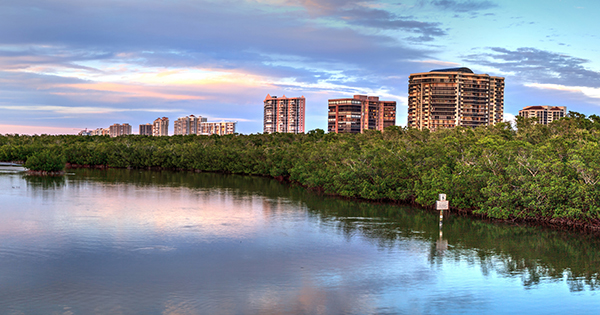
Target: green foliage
{"points": [[46, 160], [532, 172]]}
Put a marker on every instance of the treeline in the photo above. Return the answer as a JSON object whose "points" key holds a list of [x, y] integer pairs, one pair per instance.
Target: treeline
{"points": [[533, 172]]}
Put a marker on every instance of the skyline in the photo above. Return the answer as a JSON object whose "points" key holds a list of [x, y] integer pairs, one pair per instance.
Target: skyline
{"points": [[66, 65]]}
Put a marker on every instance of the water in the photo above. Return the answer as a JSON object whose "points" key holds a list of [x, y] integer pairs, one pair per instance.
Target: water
{"points": [[142, 242]]}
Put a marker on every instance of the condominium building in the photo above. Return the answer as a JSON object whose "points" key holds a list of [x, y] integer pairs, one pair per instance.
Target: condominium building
{"points": [[100, 132], [360, 113], [284, 114], [160, 127], [453, 97], [217, 128], [544, 114], [188, 125], [119, 130], [146, 130]]}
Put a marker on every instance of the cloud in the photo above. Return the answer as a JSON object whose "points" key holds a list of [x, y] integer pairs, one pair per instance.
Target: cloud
{"points": [[202, 56], [590, 92], [386, 20], [463, 6], [534, 65], [31, 130], [80, 110], [437, 63]]}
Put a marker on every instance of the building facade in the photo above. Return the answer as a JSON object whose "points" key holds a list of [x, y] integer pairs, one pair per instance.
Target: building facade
{"points": [[544, 114], [160, 127], [217, 128], [119, 130], [360, 113], [146, 130], [284, 114], [453, 97], [188, 125], [85, 132]]}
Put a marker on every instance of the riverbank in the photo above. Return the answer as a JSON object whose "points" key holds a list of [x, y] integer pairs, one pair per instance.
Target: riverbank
{"points": [[547, 174], [592, 226]]}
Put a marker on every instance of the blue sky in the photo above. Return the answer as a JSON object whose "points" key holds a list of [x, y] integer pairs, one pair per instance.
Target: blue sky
{"points": [[66, 65]]}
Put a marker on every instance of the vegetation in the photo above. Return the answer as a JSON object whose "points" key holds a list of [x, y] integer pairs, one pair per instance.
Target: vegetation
{"points": [[533, 172], [45, 161]]}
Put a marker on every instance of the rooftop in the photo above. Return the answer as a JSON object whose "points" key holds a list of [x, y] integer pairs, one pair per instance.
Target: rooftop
{"points": [[462, 69]]}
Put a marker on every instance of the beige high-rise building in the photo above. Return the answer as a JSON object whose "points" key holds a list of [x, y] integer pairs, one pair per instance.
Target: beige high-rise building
{"points": [[116, 130], [284, 114], [360, 113], [146, 130], [187, 125], [217, 128], [160, 127], [545, 114], [453, 97]]}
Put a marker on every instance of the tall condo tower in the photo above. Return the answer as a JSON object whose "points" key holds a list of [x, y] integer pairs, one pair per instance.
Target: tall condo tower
{"points": [[360, 113], [116, 130], [160, 127], [146, 130], [188, 125], [284, 114], [453, 97]]}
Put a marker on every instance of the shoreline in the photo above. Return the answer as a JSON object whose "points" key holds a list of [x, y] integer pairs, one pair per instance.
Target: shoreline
{"points": [[551, 223]]}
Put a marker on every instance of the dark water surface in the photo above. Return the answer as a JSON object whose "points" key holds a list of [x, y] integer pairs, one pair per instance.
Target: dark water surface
{"points": [[142, 242]]}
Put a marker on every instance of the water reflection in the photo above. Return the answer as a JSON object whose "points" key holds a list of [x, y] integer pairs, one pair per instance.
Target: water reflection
{"points": [[126, 241]]}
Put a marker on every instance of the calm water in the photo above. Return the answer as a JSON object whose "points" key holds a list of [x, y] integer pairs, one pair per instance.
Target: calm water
{"points": [[131, 242]]}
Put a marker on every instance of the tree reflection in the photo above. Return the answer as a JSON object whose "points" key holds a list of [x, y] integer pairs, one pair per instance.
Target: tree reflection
{"points": [[533, 254]]}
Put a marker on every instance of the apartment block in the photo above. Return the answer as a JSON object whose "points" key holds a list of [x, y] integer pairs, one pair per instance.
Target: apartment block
{"points": [[85, 132], [119, 130], [160, 127], [453, 97], [217, 128], [146, 130], [100, 132], [284, 114], [360, 113], [188, 125], [545, 114]]}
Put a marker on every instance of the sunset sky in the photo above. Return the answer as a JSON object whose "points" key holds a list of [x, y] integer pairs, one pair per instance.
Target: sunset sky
{"points": [[66, 65]]}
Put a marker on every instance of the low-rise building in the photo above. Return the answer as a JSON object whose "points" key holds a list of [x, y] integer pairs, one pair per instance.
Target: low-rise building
{"points": [[544, 114]]}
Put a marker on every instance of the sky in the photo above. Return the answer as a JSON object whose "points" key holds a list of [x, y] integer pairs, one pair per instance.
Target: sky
{"points": [[67, 65]]}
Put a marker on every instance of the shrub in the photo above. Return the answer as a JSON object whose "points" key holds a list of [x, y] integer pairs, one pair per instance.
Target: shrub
{"points": [[45, 160]]}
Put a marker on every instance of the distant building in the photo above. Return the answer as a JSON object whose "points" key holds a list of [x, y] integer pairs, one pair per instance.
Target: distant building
{"points": [[188, 125], [85, 132], [360, 113], [160, 127], [146, 130], [100, 132], [453, 97], [217, 128], [284, 114], [544, 114], [119, 130]]}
